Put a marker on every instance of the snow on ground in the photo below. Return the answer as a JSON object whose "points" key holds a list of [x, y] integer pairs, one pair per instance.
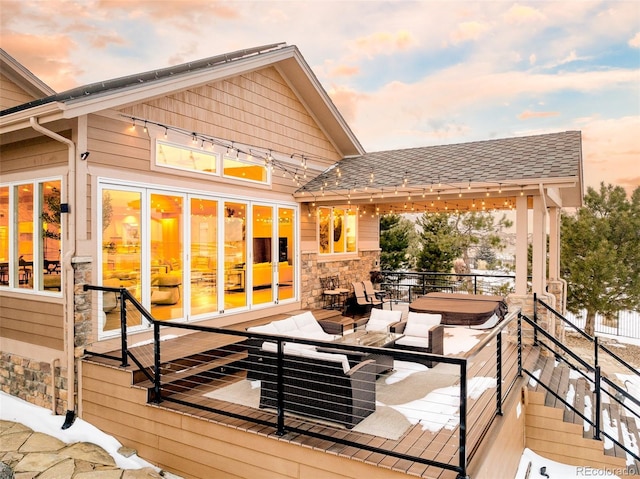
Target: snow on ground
{"points": [[404, 369], [43, 420], [440, 408], [557, 470]]}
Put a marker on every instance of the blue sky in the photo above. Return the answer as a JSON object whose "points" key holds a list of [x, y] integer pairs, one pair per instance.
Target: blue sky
{"points": [[402, 73]]}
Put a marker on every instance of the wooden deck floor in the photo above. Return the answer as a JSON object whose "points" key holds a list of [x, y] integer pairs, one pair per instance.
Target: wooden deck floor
{"points": [[442, 446]]}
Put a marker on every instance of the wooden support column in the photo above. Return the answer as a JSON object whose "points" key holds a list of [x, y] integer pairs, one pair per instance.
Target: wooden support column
{"points": [[539, 263], [522, 233], [554, 243]]}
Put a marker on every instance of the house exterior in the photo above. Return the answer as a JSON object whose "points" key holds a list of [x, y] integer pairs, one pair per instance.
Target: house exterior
{"points": [[216, 192]]}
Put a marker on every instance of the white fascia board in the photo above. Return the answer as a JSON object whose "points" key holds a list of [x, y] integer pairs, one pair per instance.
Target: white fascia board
{"points": [[19, 120], [326, 100]]}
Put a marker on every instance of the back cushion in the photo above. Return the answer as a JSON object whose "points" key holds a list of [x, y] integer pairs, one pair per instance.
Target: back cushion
{"points": [[285, 326], [380, 319], [419, 324]]}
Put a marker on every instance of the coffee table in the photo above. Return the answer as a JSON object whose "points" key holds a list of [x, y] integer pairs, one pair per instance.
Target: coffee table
{"points": [[374, 339]]}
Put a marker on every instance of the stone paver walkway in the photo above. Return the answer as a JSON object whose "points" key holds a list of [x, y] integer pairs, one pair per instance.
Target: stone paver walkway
{"points": [[26, 454]]}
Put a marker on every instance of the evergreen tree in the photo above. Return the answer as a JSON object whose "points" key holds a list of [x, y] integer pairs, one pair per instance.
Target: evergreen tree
{"points": [[396, 234], [440, 243], [600, 255]]}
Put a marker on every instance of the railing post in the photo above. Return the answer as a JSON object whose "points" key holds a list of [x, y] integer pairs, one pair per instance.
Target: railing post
{"points": [[157, 398], [519, 334], [535, 319], [499, 374], [463, 419], [280, 388], [597, 386], [475, 284], [595, 350], [123, 330]]}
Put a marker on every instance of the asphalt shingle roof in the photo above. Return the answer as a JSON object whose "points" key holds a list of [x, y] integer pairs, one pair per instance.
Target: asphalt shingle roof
{"points": [[529, 158]]}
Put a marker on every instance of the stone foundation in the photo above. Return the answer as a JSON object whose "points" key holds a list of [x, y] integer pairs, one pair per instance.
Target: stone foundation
{"points": [[32, 381], [347, 270], [40, 382]]}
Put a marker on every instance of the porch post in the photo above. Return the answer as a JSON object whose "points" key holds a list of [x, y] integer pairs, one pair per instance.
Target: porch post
{"points": [[554, 243], [539, 262], [522, 232]]}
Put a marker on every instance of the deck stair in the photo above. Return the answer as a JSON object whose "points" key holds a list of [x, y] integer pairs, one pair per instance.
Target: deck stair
{"points": [[552, 420]]}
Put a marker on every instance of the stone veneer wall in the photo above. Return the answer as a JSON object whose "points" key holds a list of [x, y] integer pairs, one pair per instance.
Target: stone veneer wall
{"points": [[39, 382], [546, 319], [32, 381], [349, 270]]}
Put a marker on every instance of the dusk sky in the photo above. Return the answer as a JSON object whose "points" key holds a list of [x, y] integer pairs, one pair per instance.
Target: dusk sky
{"points": [[402, 73]]}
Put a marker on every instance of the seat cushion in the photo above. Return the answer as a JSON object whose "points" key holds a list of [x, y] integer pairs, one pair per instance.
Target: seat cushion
{"points": [[414, 341], [419, 324], [380, 319]]}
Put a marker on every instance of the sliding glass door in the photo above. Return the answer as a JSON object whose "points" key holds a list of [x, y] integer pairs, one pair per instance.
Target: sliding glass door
{"points": [[187, 256]]}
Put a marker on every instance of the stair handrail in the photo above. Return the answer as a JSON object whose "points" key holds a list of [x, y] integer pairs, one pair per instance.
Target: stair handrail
{"points": [[125, 295], [597, 346], [595, 368]]}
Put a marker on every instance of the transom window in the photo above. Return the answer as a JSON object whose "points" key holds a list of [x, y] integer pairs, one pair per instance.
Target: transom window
{"points": [[211, 159], [185, 158]]}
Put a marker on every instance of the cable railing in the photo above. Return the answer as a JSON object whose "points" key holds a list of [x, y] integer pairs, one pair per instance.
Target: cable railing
{"points": [[598, 370], [407, 285], [321, 389]]}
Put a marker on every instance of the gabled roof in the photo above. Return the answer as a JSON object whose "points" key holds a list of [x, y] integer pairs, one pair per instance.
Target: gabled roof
{"points": [[553, 160], [120, 92], [22, 77]]}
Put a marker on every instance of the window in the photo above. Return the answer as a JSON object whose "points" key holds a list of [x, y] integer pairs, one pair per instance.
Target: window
{"points": [[336, 231], [245, 168], [185, 158], [30, 236]]}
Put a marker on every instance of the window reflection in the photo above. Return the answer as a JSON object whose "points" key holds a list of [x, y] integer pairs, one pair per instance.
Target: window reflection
{"points": [[204, 252], [121, 251], [235, 253], [24, 261]]}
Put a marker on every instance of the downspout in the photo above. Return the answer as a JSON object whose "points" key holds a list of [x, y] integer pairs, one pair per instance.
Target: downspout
{"points": [[69, 253]]}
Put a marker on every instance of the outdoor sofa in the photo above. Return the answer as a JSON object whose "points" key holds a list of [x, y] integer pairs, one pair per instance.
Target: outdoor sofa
{"points": [[320, 385]]}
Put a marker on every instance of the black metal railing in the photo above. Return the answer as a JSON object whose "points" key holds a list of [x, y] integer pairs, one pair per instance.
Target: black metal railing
{"points": [[407, 285], [211, 369], [590, 369]]}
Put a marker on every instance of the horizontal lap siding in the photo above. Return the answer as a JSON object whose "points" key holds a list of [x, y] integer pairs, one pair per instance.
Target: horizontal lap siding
{"points": [[31, 321], [196, 448], [32, 154], [112, 143], [11, 94], [257, 109]]}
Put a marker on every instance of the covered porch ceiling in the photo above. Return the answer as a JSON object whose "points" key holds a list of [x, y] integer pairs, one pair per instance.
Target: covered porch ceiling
{"points": [[475, 176]]}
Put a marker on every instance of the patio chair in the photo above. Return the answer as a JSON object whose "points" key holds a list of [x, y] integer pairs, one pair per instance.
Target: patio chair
{"points": [[376, 295], [380, 320], [360, 301], [330, 296]]}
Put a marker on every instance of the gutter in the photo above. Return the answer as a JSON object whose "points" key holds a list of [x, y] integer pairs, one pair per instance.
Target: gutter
{"points": [[69, 253]]}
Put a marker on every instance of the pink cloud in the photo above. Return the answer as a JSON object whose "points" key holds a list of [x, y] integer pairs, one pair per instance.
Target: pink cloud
{"points": [[47, 57], [527, 114], [519, 14], [344, 71], [385, 43], [635, 41], [469, 31]]}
